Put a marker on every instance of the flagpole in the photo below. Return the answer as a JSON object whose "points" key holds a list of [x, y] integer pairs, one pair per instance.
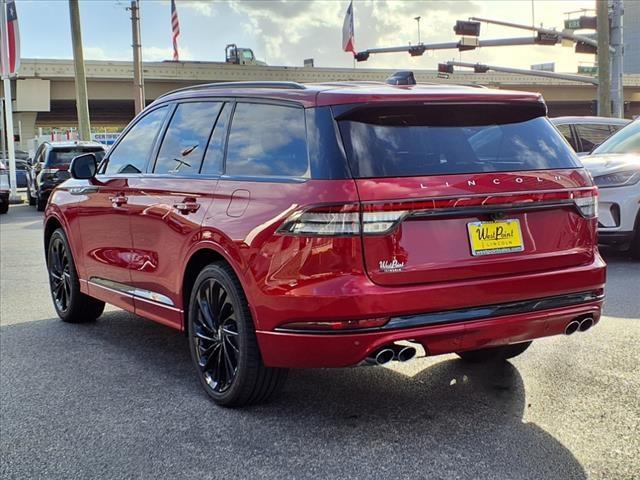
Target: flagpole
{"points": [[8, 107]]}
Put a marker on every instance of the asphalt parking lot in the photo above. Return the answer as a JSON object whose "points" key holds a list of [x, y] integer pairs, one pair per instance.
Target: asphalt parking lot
{"points": [[118, 399]]}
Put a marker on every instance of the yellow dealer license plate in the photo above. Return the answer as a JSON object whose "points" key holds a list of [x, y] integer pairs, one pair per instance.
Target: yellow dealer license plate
{"points": [[502, 236]]}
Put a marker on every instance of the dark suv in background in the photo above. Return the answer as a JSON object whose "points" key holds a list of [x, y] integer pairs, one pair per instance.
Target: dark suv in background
{"points": [[50, 167]]}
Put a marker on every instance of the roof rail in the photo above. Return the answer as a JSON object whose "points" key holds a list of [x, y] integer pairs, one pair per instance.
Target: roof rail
{"points": [[265, 84], [350, 83]]}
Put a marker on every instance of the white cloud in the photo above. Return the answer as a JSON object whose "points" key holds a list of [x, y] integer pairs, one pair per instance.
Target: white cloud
{"points": [[201, 7], [149, 54], [290, 31], [99, 53], [158, 54]]}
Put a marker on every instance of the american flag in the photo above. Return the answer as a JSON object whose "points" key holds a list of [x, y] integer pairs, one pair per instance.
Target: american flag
{"points": [[11, 64], [175, 30]]}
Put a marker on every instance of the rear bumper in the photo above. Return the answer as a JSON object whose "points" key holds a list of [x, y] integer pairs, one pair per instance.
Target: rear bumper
{"points": [[296, 350], [308, 350], [615, 238]]}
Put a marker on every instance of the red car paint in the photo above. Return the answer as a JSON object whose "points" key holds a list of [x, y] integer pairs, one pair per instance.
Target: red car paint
{"points": [[129, 229]]}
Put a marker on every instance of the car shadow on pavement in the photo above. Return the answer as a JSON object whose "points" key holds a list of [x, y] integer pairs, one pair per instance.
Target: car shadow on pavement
{"points": [[111, 389], [621, 289]]}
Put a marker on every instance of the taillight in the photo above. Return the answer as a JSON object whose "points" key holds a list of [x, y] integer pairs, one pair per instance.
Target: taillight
{"points": [[324, 221], [343, 220], [588, 205], [380, 218], [49, 174]]}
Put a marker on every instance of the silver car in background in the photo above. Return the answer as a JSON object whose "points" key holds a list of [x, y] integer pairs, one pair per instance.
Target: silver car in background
{"points": [[615, 167]]}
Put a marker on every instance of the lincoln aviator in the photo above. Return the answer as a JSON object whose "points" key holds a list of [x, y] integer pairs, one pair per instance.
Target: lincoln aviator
{"points": [[281, 225]]}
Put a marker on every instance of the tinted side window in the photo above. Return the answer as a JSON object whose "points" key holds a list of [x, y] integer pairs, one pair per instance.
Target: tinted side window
{"points": [[267, 140], [130, 155], [215, 150], [63, 156], [184, 143], [565, 130], [592, 135]]}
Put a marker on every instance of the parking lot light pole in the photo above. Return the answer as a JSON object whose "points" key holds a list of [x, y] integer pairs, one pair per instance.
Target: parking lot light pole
{"points": [[138, 79], [604, 65], [82, 99]]}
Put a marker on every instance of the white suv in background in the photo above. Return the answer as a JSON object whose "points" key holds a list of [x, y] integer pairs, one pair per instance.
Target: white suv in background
{"points": [[615, 167]]}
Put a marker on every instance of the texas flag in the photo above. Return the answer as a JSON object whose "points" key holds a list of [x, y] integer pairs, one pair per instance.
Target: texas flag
{"points": [[11, 64], [348, 44]]}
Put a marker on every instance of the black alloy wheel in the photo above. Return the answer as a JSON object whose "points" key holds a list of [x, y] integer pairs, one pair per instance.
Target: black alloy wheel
{"points": [[70, 303], [223, 343], [216, 336], [59, 274]]}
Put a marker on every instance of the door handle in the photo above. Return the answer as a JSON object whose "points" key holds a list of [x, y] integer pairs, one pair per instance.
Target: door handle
{"points": [[118, 200], [187, 207]]}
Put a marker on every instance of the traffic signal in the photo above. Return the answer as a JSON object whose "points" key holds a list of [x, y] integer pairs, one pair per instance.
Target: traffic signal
{"points": [[468, 43], [417, 50], [463, 27], [582, 47], [361, 56], [547, 38], [445, 68], [588, 22], [479, 68]]}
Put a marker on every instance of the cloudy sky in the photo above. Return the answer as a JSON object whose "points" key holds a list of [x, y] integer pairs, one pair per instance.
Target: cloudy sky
{"points": [[286, 32]]}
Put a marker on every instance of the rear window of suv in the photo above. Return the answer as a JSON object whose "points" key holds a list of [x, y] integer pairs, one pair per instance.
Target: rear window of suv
{"points": [[416, 140], [63, 156]]}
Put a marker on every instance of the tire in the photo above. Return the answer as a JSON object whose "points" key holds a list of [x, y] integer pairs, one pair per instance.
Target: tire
{"points": [[223, 343], [494, 354], [71, 304], [31, 200], [40, 203], [4, 208], [634, 251]]}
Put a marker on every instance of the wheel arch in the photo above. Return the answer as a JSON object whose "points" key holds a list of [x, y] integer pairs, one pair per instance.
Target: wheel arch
{"points": [[51, 225], [199, 258]]}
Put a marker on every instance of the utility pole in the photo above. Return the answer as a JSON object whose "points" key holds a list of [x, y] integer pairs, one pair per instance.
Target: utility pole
{"points": [[604, 66], [138, 80], [82, 98], [617, 96]]}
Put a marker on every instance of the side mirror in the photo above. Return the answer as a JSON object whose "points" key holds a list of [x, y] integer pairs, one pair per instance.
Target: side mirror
{"points": [[84, 167]]}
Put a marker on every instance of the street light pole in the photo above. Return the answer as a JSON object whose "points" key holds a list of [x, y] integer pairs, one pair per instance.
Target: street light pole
{"points": [[82, 98], [617, 96], [138, 80], [417, 19], [604, 65]]}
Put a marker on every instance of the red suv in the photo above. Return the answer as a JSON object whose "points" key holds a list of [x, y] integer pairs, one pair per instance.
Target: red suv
{"points": [[284, 225]]}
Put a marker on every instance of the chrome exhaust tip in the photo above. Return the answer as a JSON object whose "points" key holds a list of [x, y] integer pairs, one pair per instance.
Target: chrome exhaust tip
{"points": [[381, 356], [403, 353], [586, 324], [572, 327]]}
